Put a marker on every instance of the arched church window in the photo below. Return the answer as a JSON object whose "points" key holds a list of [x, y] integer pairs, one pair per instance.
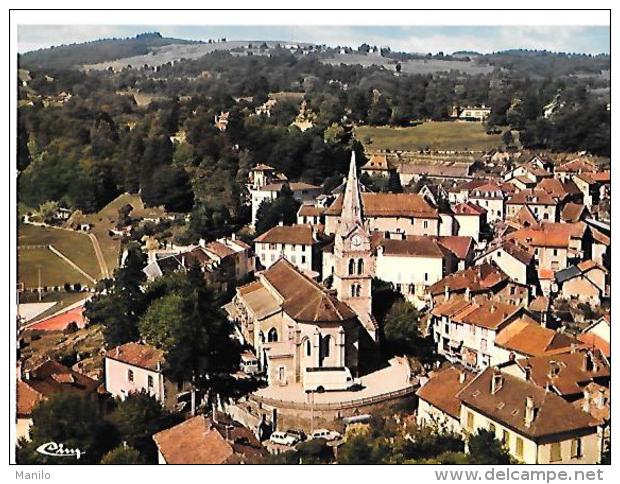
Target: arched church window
{"points": [[308, 348], [351, 267], [352, 290], [326, 345], [272, 335], [360, 266], [358, 290], [261, 336]]}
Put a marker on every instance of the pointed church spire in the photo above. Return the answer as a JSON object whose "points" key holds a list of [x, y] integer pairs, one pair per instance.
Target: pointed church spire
{"points": [[352, 203]]}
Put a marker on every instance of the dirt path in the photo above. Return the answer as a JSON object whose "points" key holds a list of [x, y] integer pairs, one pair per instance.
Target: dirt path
{"points": [[72, 264], [103, 267]]}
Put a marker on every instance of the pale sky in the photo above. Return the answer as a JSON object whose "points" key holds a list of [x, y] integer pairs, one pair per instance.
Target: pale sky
{"points": [[582, 39]]}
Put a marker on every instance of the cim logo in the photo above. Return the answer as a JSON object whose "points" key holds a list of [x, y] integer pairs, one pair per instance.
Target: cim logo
{"points": [[58, 450]]}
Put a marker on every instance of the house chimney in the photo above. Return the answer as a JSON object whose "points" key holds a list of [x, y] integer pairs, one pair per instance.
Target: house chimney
{"points": [[530, 411], [587, 362], [213, 413], [462, 377], [492, 308], [528, 372], [228, 433], [600, 399], [446, 293], [497, 381], [554, 368], [233, 236], [467, 294], [573, 348], [586, 401], [118, 351]]}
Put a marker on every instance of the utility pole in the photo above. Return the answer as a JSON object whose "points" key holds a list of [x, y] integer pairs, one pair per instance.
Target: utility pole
{"points": [[39, 291], [311, 397]]}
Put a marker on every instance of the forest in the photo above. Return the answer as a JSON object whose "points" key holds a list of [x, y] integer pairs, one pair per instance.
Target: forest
{"points": [[83, 139]]}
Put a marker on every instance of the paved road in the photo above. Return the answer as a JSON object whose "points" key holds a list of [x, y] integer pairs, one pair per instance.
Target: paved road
{"points": [[103, 267]]}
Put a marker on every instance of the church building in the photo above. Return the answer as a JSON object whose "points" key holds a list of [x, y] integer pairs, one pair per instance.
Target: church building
{"points": [[298, 327]]}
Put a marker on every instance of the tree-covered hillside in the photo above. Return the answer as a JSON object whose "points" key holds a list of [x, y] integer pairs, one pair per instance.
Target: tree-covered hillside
{"points": [[83, 138], [73, 55]]}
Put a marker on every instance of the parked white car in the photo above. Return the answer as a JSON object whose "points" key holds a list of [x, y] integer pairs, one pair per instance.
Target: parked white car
{"points": [[326, 434], [283, 438]]}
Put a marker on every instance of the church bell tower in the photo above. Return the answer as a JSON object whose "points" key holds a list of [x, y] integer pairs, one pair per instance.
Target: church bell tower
{"points": [[352, 255]]}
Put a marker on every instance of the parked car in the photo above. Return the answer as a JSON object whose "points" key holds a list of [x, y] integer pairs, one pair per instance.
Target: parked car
{"points": [[326, 434], [283, 438], [298, 433]]}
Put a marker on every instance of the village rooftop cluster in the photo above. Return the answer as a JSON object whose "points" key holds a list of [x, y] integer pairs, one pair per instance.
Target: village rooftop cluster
{"points": [[510, 272]]}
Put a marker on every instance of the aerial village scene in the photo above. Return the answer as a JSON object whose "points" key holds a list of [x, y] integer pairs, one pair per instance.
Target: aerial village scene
{"points": [[285, 252]]}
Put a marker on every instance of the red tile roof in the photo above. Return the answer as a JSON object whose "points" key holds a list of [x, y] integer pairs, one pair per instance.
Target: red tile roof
{"points": [[377, 162], [569, 372], [526, 337], [577, 165], [413, 246], [594, 341], [572, 212], [558, 189], [441, 389], [389, 205], [138, 354], [304, 299], [199, 440], [553, 414], [522, 253], [287, 234], [486, 314], [309, 210], [549, 234], [219, 249], [531, 197], [460, 246], [478, 278], [468, 208], [525, 217], [47, 379]]}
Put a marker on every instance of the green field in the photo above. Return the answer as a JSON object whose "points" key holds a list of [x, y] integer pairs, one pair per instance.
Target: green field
{"points": [[435, 135], [73, 245], [106, 218], [54, 271]]}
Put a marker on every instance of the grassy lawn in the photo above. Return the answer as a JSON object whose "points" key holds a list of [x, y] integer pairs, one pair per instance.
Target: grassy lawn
{"points": [[54, 271], [105, 219], [74, 245], [436, 135]]}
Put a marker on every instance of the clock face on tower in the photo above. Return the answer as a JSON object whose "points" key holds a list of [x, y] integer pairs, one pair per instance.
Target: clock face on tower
{"points": [[356, 241]]}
